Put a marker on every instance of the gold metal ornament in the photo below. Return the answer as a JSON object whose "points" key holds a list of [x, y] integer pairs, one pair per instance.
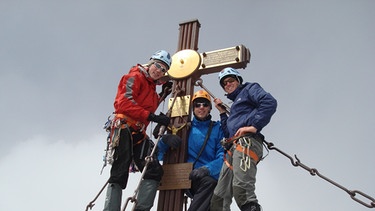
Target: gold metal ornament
{"points": [[184, 63]]}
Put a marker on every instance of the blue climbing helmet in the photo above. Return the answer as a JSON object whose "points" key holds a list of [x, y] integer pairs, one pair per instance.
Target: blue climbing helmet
{"points": [[162, 56], [229, 71]]}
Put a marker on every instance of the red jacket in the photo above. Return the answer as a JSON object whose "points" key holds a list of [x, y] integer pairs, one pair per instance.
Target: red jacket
{"points": [[136, 95]]}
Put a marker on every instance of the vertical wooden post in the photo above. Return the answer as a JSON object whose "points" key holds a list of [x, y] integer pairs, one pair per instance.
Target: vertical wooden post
{"points": [[172, 200], [210, 62]]}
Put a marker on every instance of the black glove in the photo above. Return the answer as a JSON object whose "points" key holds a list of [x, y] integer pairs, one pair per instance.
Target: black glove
{"points": [[156, 131], [172, 140], [166, 88], [199, 173], [162, 119], [154, 171], [226, 145]]}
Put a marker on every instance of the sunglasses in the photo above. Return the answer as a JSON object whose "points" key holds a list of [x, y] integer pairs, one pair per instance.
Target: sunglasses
{"points": [[229, 80], [198, 105], [157, 65]]}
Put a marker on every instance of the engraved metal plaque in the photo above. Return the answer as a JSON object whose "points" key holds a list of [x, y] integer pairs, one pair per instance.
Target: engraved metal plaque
{"points": [[214, 61], [220, 57], [180, 107], [176, 176]]}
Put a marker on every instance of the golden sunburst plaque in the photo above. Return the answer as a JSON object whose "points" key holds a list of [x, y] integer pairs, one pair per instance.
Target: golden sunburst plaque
{"points": [[184, 63]]}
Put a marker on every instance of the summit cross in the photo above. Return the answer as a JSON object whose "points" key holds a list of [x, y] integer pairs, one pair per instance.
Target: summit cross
{"points": [[187, 67]]}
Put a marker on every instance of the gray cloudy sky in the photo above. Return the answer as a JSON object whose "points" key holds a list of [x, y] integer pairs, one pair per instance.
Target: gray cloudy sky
{"points": [[60, 63]]}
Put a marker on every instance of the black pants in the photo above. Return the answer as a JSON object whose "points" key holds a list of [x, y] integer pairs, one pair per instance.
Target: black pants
{"points": [[202, 191], [126, 152]]}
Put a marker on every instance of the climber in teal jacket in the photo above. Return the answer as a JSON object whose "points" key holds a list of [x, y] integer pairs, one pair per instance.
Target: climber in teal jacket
{"points": [[204, 151]]}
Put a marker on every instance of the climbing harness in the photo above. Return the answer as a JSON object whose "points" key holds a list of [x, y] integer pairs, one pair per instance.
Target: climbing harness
{"points": [[313, 171], [242, 144], [115, 123]]}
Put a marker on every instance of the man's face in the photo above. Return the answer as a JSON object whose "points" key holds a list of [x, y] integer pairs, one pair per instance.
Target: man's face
{"points": [[201, 108], [230, 84], [157, 70]]}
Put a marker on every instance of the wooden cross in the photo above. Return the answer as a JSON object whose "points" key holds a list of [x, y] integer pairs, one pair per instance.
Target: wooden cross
{"points": [[187, 67]]}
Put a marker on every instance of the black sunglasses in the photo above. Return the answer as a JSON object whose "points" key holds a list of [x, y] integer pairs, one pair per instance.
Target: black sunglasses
{"points": [[157, 65], [198, 105], [229, 80]]}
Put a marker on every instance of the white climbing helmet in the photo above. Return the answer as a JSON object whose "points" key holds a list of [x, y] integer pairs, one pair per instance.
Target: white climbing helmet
{"points": [[162, 56], [229, 71]]}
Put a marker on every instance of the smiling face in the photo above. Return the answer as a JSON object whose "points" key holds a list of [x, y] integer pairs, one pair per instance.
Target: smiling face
{"points": [[157, 70], [230, 84], [202, 108]]}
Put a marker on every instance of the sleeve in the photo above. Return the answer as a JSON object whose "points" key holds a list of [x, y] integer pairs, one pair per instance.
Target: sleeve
{"points": [[124, 103], [223, 120], [266, 106], [162, 149]]}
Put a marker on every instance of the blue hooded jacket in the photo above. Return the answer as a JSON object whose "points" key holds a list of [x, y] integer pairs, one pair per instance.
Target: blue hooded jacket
{"points": [[212, 155], [252, 106]]}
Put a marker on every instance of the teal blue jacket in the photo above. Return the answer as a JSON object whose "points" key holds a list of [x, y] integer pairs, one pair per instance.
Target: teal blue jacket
{"points": [[212, 155]]}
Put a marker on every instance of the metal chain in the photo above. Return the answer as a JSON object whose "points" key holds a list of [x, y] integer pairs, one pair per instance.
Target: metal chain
{"points": [[91, 203], [315, 172]]}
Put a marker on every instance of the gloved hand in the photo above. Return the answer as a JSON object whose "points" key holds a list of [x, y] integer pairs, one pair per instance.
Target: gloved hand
{"points": [[156, 131], [167, 88], [162, 118], [199, 173], [172, 140], [226, 144]]}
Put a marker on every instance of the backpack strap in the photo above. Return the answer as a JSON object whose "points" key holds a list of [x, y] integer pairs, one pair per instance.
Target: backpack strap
{"points": [[204, 143]]}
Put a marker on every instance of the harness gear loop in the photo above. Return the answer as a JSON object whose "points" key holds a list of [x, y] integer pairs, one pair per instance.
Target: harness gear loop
{"points": [[242, 144], [245, 147], [113, 128]]}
